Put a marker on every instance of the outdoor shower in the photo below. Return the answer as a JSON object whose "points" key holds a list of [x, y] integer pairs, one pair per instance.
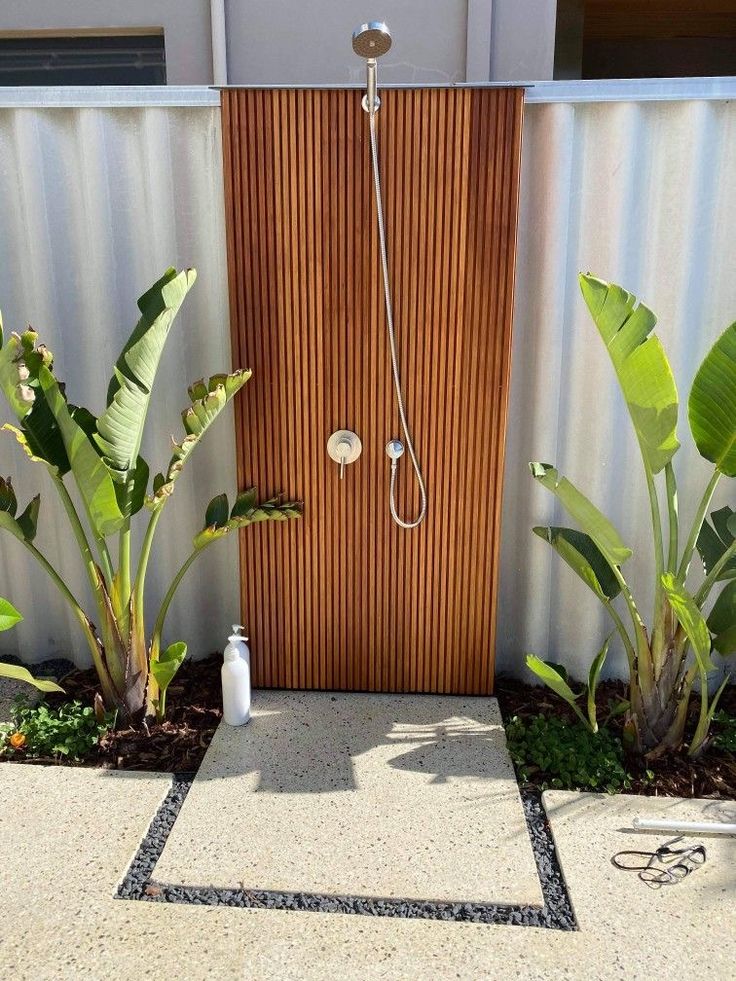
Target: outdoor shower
{"points": [[347, 599], [370, 41]]}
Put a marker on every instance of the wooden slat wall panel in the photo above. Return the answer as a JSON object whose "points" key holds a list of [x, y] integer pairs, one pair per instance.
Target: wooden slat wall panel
{"points": [[344, 599]]}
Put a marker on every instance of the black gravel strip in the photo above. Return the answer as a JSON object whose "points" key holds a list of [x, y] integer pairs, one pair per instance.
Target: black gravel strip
{"points": [[556, 914]]}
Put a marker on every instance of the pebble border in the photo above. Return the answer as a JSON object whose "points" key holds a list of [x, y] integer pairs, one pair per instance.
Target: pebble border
{"points": [[556, 914]]}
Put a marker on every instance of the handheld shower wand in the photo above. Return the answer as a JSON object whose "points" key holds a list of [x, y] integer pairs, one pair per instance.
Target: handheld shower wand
{"points": [[370, 41]]}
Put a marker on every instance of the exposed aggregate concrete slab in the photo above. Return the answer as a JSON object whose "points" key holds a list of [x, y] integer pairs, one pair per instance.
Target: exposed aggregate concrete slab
{"points": [[66, 837], [394, 796], [674, 931]]}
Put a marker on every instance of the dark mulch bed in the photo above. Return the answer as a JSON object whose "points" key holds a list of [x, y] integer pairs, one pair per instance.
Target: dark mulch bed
{"points": [[712, 775], [193, 712]]}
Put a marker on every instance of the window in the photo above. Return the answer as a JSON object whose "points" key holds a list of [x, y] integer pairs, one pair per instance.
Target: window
{"points": [[114, 59], [645, 38]]}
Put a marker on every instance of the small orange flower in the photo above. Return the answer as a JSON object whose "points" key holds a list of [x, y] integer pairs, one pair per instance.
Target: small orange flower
{"points": [[17, 740]]}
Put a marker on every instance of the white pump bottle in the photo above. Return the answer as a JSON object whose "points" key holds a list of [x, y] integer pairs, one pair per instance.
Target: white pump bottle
{"points": [[236, 679]]}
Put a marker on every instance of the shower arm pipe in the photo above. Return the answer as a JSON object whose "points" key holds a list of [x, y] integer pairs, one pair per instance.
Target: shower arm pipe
{"points": [[218, 28], [371, 94]]}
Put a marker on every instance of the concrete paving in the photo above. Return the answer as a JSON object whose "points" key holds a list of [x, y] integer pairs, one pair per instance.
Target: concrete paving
{"points": [[677, 927], [401, 796], [66, 837]]}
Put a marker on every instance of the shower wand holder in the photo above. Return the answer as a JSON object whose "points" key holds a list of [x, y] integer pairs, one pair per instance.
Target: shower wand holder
{"points": [[367, 106]]}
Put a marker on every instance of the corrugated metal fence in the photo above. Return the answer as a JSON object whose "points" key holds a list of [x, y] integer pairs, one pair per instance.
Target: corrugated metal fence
{"points": [[98, 201], [96, 204], [641, 193]]}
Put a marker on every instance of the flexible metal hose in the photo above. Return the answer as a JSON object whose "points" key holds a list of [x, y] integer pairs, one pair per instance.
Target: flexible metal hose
{"points": [[392, 340]]}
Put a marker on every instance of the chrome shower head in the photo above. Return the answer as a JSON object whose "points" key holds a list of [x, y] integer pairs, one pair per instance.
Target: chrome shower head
{"points": [[371, 40]]}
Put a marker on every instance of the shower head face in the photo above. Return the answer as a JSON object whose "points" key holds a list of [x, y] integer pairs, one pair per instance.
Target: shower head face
{"points": [[371, 40]]}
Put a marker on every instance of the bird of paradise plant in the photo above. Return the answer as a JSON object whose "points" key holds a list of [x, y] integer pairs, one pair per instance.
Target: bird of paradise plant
{"points": [[100, 456], [662, 674]]}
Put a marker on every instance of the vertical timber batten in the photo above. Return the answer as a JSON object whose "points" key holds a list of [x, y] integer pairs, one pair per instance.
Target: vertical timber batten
{"points": [[344, 599]]}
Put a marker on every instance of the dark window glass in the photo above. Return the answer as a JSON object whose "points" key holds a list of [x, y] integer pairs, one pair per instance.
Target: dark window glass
{"points": [[85, 60]]}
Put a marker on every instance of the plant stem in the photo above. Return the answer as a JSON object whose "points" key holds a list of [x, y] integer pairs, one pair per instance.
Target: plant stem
{"points": [[657, 535], [124, 578], [671, 483], [140, 579], [633, 611], [105, 560], [629, 647], [159, 625], [697, 525], [59, 582], [712, 577], [79, 614], [79, 534]]}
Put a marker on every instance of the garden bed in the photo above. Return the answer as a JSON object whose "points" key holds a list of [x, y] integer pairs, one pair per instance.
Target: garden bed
{"points": [[713, 775], [178, 744], [195, 708]]}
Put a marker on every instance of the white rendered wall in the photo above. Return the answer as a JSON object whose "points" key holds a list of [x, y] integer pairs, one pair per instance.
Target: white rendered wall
{"points": [[307, 42], [186, 26]]}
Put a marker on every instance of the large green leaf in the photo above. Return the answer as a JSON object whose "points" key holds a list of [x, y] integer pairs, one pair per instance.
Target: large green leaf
{"points": [[551, 677], [132, 494], [24, 526], [712, 404], [9, 616], [713, 540], [641, 365], [19, 673], [208, 401], [594, 676], [584, 557], [245, 511], [723, 615], [120, 427], [39, 435], [690, 619], [8, 500], [168, 663], [592, 521], [8, 523], [28, 520], [725, 643], [90, 471]]}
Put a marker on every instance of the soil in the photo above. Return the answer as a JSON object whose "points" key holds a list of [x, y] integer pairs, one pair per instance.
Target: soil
{"points": [[177, 745], [712, 775]]}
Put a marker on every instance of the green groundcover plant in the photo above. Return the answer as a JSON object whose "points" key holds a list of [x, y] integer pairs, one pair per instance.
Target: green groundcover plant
{"points": [[725, 737], [100, 456], [72, 730], [668, 661], [552, 752]]}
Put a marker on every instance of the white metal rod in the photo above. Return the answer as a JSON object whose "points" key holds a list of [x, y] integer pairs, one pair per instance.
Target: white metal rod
{"points": [[685, 827], [219, 42]]}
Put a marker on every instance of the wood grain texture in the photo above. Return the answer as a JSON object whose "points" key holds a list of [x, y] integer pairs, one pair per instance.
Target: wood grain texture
{"points": [[344, 599]]}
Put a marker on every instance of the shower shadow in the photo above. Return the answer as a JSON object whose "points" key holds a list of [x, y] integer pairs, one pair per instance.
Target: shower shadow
{"points": [[308, 742]]}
